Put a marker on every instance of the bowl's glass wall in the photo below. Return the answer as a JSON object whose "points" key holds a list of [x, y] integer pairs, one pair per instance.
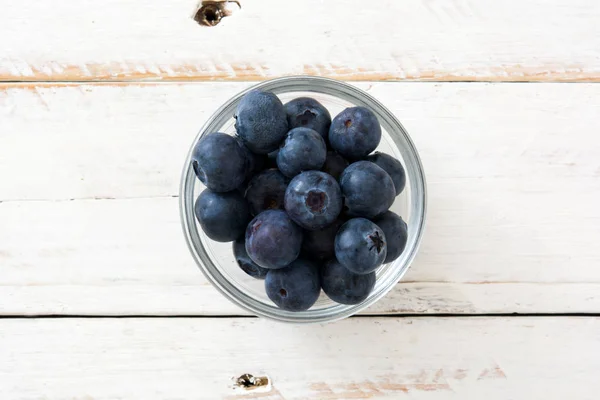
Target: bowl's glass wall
{"points": [[216, 259]]}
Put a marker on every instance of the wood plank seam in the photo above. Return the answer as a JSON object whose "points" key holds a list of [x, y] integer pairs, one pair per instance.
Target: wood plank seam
{"points": [[205, 72], [362, 315]]}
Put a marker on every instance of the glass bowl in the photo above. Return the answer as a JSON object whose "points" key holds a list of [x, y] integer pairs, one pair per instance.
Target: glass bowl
{"points": [[216, 260]]}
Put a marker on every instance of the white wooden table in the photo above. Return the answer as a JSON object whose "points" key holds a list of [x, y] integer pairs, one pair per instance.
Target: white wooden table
{"points": [[100, 298]]}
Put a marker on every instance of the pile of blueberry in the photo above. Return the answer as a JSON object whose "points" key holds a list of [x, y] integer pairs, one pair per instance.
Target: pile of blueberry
{"points": [[302, 198]]}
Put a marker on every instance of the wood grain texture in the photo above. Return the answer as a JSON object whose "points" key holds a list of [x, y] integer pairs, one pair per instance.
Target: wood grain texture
{"points": [[457, 40], [375, 358], [90, 221]]}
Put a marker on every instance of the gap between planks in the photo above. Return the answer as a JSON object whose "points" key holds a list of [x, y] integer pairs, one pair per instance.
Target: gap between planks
{"points": [[234, 316], [188, 74], [82, 84]]}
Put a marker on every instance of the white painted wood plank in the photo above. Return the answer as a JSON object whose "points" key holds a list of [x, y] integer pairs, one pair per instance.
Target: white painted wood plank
{"points": [[100, 141], [512, 173], [457, 40], [130, 140], [374, 358], [128, 257]]}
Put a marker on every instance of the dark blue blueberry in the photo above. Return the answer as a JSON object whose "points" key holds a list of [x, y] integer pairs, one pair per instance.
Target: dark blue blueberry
{"points": [[273, 240], [355, 132], [393, 167], [360, 246], [313, 200], [344, 286], [219, 162], [266, 191], [245, 262], [368, 190], [319, 245], [303, 150], [396, 232], [294, 288], [222, 216], [308, 113], [261, 121], [334, 164]]}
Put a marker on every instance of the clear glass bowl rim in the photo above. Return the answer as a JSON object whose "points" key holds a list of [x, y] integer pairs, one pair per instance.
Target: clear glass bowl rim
{"points": [[416, 179]]}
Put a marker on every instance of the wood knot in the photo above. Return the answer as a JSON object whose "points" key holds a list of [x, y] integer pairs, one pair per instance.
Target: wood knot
{"points": [[211, 13], [250, 382]]}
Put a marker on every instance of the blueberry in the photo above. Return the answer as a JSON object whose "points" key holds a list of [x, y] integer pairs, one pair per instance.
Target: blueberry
{"points": [[222, 216], [261, 121], [396, 233], [308, 113], [344, 286], [273, 240], [360, 246], [393, 167], [319, 245], [219, 162], [313, 200], [355, 132], [368, 190], [295, 288], [334, 164], [304, 149], [245, 262], [266, 191]]}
